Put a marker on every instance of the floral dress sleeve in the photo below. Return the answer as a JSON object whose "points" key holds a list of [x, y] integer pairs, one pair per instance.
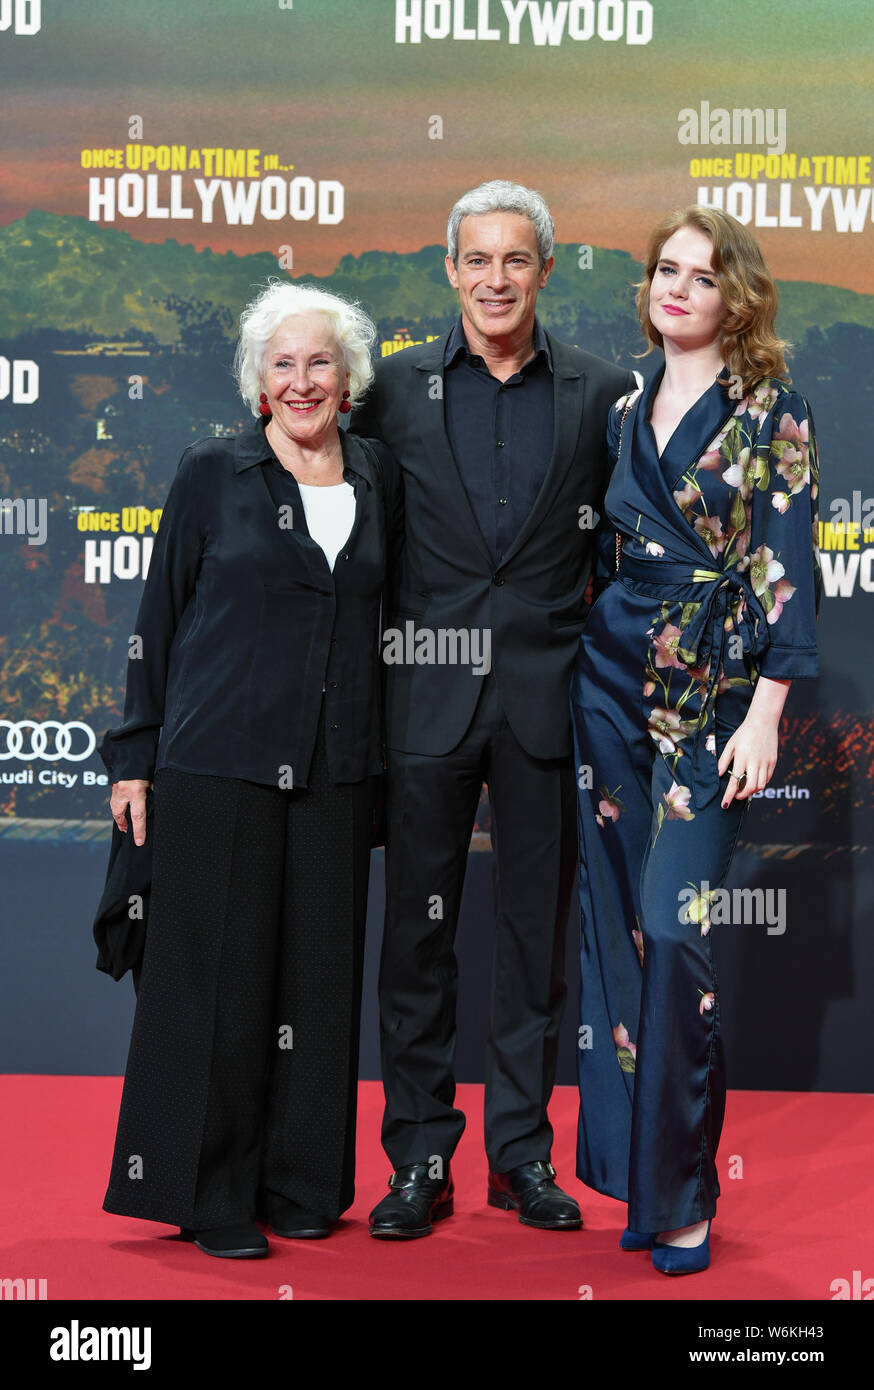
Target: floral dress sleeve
{"points": [[783, 550], [604, 562]]}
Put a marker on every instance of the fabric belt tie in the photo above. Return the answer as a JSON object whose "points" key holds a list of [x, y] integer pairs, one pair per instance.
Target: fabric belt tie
{"points": [[704, 636]]}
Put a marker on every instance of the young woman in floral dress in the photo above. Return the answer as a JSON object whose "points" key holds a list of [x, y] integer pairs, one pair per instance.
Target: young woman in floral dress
{"points": [[682, 673]]}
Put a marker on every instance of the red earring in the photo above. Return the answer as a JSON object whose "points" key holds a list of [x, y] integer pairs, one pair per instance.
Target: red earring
{"points": [[264, 407], [344, 406]]}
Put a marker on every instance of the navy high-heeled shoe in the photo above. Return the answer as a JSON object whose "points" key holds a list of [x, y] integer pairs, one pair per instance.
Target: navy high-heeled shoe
{"points": [[681, 1259], [635, 1240]]}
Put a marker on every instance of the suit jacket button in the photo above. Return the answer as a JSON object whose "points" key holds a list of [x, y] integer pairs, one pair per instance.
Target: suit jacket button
{"points": [[335, 726], [498, 579]]}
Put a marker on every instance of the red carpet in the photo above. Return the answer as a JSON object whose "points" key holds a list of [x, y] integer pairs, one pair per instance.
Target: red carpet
{"points": [[800, 1217]]}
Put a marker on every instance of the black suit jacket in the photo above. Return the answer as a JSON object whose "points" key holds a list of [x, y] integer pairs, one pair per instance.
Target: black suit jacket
{"points": [[532, 602]]}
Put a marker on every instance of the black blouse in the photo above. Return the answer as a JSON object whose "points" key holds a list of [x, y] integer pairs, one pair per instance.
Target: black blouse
{"points": [[243, 628]]}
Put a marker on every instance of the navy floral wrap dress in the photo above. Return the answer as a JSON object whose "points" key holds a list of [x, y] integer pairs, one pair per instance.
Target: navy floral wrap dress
{"points": [[718, 584]]}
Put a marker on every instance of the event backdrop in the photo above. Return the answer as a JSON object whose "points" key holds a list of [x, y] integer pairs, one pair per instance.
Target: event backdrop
{"points": [[161, 160]]}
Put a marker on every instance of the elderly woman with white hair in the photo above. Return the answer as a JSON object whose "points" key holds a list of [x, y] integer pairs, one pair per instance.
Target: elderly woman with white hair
{"points": [[253, 710]]}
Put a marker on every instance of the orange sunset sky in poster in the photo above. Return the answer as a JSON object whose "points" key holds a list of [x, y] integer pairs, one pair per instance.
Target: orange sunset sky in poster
{"points": [[325, 86]]}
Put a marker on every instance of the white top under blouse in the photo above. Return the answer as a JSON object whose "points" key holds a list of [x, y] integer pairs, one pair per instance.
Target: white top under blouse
{"points": [[330, 514]]}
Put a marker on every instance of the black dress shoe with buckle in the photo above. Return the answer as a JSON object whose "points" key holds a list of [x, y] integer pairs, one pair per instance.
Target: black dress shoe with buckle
{"points": [[413, 1204], [293, 1222], [531, 1191], [243, 1242]]}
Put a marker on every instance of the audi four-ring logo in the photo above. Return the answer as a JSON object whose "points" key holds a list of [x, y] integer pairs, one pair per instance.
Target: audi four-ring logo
{"points": [[26, 740]]}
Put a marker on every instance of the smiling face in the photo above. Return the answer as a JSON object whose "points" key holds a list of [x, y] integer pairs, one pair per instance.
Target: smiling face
{"points": [[498, 275], [304, 378], [685, 304]]}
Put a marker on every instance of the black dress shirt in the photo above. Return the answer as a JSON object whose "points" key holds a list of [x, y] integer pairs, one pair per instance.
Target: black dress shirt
{"points": [[244, 630], [501, 433]]}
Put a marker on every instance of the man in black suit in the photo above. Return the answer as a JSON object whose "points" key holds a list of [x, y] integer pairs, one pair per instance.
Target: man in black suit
{"points": [[499, 430]]}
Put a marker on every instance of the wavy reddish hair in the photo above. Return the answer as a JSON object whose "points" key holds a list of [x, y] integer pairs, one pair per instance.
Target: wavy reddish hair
{"points": [[750, 347]]}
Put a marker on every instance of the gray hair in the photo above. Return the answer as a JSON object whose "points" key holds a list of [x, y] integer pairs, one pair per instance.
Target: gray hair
{"points": [[499, 195], [280, 300]]}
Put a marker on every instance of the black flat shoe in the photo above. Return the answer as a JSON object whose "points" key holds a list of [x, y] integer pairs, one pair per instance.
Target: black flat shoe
{"points": [[293, 1222], [414, 1203], [531, 1191], [229, 1242]]}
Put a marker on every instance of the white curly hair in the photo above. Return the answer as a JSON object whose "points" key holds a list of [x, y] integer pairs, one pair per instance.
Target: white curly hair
{"points": [[279, 301]]}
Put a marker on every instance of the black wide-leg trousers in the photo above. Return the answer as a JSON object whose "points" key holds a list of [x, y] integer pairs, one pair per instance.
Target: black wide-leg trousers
{"points": [[241, 1080], [431, 807]]}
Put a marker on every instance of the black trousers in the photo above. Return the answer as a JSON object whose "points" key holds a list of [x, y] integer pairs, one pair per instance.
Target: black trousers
{"points": [[241, 1080], [431, 807]]}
